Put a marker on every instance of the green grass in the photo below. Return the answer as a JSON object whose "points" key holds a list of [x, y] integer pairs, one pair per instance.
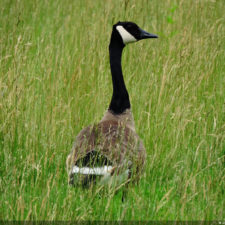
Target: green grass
{"points": [[55, 80]]}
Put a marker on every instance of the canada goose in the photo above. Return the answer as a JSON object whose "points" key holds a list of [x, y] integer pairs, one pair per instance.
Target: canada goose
{"points": [[111, 147]]}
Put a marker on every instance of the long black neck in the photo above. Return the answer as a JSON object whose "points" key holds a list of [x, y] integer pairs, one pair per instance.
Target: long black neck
{"points": [[120, 98]]}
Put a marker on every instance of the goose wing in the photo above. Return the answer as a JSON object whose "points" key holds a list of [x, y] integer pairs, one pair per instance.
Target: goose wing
{"points": [[118, 143]]}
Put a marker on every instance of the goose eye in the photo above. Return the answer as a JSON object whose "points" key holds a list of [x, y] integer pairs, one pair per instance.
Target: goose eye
{"points": [[129, 26]]}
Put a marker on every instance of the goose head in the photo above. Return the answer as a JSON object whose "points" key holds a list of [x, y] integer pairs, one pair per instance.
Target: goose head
{"points": [[130, 32]]}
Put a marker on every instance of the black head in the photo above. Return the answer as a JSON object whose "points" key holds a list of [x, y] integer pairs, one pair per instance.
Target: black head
{"points": [[131, 32]]}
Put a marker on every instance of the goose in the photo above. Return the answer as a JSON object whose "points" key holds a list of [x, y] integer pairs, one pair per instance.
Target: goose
{"points": [[111, 148]]}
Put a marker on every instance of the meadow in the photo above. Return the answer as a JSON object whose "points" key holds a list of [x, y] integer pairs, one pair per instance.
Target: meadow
{"points": [[55, 79]]}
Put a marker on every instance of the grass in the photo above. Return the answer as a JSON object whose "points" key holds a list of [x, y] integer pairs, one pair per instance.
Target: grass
{"points": [[55, 80]]}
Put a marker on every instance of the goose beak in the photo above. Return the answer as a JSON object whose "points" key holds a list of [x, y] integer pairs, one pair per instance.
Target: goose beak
{"points": [[145, 35]]}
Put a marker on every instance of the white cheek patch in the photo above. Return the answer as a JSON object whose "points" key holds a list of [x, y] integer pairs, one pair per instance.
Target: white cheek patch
{"points": [[126, 36]]}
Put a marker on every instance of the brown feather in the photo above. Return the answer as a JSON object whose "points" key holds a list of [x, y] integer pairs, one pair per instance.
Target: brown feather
{"points": [[112, 139]]}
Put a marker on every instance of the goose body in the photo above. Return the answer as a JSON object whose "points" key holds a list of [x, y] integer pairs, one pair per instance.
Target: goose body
{"points": [[111, 147]]}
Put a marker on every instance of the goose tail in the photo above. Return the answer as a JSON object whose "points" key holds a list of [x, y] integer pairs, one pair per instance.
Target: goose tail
{"points": [[104, 174]]}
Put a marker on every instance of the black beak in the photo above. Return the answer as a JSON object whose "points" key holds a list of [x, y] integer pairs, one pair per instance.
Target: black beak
{"points": [[145, 35]]}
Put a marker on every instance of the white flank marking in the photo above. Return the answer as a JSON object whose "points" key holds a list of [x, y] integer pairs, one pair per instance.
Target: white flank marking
{"points": [[126, 36], [105, 170]]}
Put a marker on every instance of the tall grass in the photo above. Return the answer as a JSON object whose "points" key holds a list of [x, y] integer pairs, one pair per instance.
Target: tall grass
{"points": [[55, 80]]}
